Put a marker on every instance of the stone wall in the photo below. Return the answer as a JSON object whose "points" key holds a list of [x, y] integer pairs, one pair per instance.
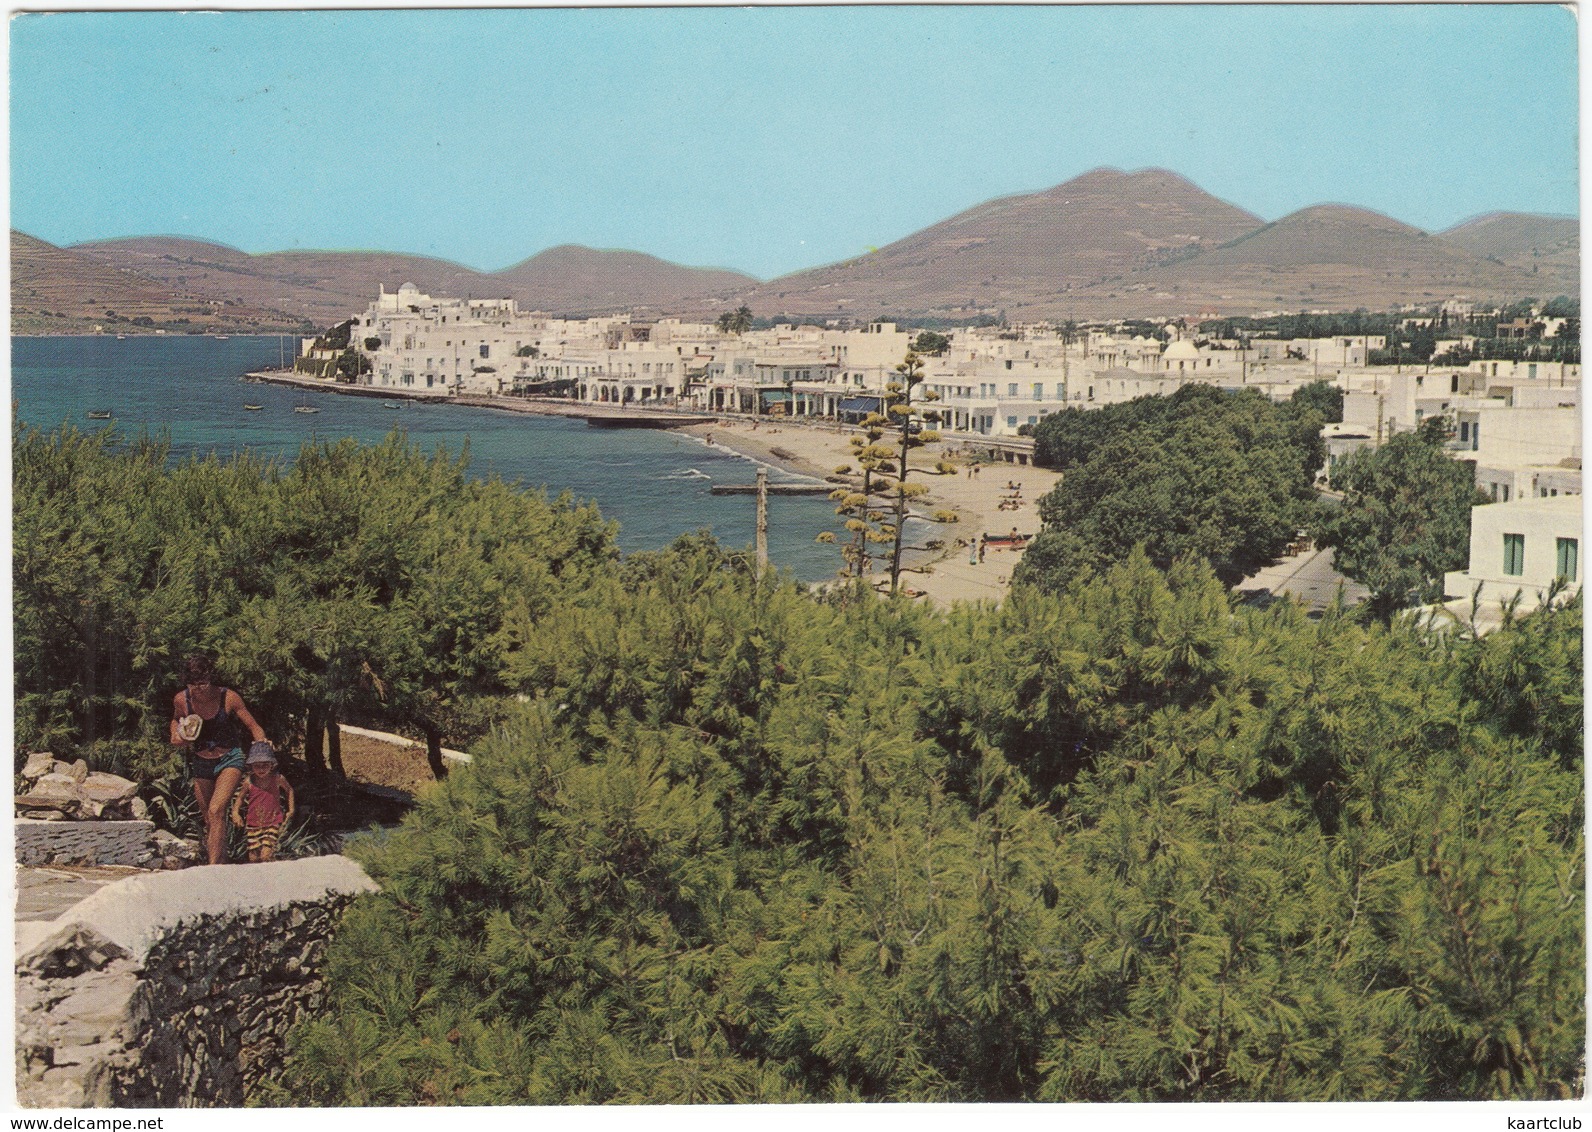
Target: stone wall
{"points": [[84, 842], [175, 990]]}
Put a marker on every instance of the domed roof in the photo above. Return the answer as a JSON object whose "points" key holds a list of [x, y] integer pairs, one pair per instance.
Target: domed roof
{"points": [[1181, 350]]}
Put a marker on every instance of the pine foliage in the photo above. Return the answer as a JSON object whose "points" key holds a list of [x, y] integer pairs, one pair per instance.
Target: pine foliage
{"points": [[1117, 844]]}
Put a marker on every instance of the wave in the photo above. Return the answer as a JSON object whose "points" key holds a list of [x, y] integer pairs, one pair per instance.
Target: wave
{"points": [[688, 474]]}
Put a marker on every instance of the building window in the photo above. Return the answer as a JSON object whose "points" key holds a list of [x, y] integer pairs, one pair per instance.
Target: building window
{"points": [[1039, 391], [1011, 389], [1514, 555], [1011, 422], [486, 351], [1464, 432], [1567, 559]]}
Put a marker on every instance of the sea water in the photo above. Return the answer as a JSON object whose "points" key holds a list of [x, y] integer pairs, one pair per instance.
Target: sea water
{"points": [[654, 483]]}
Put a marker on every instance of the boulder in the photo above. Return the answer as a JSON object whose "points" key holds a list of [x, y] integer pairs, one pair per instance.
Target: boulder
{"points": [[38, 765], [78, 771], [107, 788], [52, 792]]}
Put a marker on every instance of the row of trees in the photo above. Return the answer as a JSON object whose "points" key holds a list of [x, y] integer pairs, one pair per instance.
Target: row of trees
{"points": [[1228, 478], [1117, 843]]}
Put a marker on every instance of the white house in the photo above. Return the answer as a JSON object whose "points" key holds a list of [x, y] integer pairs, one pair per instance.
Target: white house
{"points": [[1517, 549]]}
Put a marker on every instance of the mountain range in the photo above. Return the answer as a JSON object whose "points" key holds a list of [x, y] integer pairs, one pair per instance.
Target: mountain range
{"points": [[1104, 244]]}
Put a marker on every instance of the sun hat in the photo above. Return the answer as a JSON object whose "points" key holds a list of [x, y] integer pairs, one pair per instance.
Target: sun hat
{"points": [[261, 752]]}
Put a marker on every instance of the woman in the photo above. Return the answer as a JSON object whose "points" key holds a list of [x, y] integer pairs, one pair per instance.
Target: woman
{"points": [[205, 718]]}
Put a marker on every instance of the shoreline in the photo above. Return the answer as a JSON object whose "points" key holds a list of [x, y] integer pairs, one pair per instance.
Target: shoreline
{"points": [[947, 576], [997, 499]]}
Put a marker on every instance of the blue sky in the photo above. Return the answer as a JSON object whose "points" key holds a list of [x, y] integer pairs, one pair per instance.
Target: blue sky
{"points": [[765, 140]]}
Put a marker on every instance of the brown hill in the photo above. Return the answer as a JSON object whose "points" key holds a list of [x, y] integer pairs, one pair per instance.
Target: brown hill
{"points": [[1020, 251], [1327, 257], [66, 291], [1546, 247], [317, 288], [1502, 235], [577, 280], [323, 287]]}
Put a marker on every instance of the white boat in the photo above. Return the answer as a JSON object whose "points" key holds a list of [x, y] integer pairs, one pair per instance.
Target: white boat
{"points": [[305, 409], [254, 408], [99, 414]]}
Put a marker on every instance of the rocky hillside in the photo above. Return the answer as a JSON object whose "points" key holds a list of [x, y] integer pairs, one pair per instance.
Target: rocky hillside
{"points": [[1328, 257], [328, 286], [1021, 253], [69, 291], [1107, 243]]}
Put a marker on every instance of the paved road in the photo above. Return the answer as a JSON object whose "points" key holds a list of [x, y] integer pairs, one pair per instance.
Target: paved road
{"points": [[1310, 577]]}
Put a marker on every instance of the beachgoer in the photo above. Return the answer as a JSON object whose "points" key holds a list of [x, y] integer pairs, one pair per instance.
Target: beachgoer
{"points": [[263, 793], [205, 718], [972, 555], [981, 545]]}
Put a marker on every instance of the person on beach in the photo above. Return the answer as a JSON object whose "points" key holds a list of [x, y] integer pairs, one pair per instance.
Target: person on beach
{"points": [[982, 542], [205, 718], [258, 809]]}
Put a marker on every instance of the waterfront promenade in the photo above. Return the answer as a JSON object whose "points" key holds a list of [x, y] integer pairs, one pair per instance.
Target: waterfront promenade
{"points": [[816, 449]]}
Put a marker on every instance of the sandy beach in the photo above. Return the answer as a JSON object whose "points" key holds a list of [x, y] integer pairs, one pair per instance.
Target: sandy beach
{"points": [[818, 449]]}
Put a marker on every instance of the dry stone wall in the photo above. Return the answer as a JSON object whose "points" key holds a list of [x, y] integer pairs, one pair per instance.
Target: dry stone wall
{"points": [[176, 990]]}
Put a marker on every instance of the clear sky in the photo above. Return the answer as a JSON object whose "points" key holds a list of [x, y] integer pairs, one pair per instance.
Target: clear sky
{"points": [[765, 140]]}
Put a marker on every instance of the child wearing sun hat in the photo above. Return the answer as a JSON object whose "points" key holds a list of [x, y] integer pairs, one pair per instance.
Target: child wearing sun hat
{"points": [[262, 796]]}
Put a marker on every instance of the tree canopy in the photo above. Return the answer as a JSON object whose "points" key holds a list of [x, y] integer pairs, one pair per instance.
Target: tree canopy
{"points": [[1114, 844], [370, 581], [729, 840], [1404, 520], [1220, 476]]}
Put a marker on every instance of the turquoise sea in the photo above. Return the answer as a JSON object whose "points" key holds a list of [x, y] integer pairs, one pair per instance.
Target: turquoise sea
{"points": [[654, 483]]}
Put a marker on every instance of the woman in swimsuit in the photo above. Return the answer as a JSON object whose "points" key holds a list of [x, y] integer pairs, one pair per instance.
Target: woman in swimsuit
{"points": [[215, 752]]}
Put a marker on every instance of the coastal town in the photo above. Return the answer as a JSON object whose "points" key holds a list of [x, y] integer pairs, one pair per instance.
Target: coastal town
{"points": [[785, 394], [867, 556]]}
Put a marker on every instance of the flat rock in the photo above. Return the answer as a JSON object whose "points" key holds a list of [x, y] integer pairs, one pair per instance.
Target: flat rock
{"points": [[107, 788], [38, 765]]}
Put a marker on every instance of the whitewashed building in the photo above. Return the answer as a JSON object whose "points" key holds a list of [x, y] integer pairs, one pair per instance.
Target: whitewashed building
{"points": [[1518, 551]]}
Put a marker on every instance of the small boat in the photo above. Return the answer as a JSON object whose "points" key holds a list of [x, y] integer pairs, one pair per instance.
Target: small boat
{"points": [[99, 414], [390, 405], [120, 337], [305, 409], [254, 408], [222, 337]]}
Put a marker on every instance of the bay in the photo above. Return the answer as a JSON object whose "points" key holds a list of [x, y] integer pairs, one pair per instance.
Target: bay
{"points": [[654, 483]]}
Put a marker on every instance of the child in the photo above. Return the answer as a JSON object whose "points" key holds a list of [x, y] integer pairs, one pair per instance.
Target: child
{"points": [[262, 791]]}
